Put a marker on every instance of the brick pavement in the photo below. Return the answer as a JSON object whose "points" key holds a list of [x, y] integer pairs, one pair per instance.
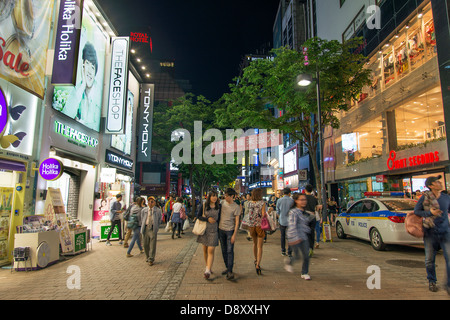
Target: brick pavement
{"points": [[338, 270]]}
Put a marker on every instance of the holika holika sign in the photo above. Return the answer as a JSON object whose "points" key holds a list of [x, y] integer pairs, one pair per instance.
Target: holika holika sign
{"points": [[115, 121], [75, 135], [51, 169]]}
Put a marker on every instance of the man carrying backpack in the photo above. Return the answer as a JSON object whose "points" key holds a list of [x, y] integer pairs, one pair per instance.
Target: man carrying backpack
{"points": [[435, 206]]}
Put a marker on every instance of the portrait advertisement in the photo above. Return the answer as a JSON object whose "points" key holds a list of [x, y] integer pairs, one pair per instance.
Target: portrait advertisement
{"points": [[84, 101], [122, 142], [24, 39]]}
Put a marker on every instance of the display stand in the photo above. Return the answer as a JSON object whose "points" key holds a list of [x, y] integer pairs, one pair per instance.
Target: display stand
{"points": [[104, 231], [79, 240], [44, 248]]}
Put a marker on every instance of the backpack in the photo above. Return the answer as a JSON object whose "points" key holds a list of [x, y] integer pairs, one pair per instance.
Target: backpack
{"points": [[414, 225], [133, 221], [126, 216]]}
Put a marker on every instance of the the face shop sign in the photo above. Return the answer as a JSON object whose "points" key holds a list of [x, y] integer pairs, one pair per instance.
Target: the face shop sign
{"points": [[118, 160]]}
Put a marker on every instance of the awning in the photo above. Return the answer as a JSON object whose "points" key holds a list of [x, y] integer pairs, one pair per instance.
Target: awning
{"points": [[12, 165]]}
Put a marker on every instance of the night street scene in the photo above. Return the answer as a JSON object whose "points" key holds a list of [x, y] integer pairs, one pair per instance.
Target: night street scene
{"points": [[224, 159]]}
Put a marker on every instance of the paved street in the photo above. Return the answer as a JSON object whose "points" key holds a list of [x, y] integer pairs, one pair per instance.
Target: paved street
{"points": [[338, 270]]}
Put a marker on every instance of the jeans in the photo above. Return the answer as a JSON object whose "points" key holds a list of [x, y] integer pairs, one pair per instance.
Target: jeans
{"points": [[227, 248], [119, 227], [318, 231], [283, 240], [136, 237], [302, 247], [432, 245]]}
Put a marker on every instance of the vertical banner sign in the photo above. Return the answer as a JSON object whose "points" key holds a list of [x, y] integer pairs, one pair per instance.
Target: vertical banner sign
{"points": [[118, 85], [67, 42], [3, 113], [441, 15], [146, 123]]}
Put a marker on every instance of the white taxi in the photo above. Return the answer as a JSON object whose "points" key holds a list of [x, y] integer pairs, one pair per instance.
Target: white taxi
{"points": [[378, 220]]}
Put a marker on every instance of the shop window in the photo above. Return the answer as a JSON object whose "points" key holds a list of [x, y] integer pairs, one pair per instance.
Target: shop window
{"points": [[388, 66], [420, 120], [364, 143]]}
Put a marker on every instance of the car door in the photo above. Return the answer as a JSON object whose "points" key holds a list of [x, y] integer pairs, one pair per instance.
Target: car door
{"points": [[352, 217], [365, 219]]}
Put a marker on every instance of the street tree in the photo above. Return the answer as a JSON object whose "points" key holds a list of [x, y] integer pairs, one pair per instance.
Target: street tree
{"points": [[272, 82]]}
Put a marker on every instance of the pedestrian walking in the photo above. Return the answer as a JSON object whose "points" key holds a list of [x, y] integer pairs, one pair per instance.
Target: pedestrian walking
{"points": [[256, 211], [332, 210], [283, 206], [151, 217], [311, 207], [228, 226], [434, 205], [126, 217], [175, 217], [114, 214], [135, 223], [298, 234], [209, 212]]}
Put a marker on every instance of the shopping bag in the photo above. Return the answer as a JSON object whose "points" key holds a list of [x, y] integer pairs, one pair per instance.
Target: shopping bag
{"points": [[168, 226], [244, 223], [272, 223], [186, 224]]}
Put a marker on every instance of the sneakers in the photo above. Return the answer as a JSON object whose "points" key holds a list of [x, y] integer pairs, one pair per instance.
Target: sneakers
{"points": [[288, 268], [129, 255], [108, 243], [306, 277], [433, 287], [230, 275], [316, 246]]}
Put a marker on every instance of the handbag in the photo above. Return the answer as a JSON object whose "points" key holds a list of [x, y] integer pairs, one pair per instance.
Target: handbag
{"points": [[265, 225], [182, 213], [414, 225], [200, 226]]}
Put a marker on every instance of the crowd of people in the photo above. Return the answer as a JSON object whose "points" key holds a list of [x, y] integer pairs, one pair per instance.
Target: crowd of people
{"points": [[298, 217]]}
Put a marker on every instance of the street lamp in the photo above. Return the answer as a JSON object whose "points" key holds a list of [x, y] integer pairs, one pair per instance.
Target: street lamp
{"points": [[305, 80]]}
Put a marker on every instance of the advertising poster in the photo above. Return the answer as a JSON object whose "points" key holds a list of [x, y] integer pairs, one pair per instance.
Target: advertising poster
{"points": [[101, 209], [55, 212], [122, 142], [84, 101], [20, 126], [24, 38]]}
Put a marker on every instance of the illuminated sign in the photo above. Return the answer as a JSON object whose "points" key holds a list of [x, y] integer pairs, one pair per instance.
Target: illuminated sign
{"points": [[67, 42], [146, 123], [115, 122], [51, 169], [141, 38], [393, 163], [75, 135], [118, 160]]}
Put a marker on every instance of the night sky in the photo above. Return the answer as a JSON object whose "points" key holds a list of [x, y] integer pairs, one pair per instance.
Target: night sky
{"points": [[206, 38]]}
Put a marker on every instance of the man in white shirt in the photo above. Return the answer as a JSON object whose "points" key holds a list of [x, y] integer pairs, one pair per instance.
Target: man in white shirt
{"points": [[228, 227]]}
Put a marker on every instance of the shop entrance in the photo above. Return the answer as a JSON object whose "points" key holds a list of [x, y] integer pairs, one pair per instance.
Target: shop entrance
{"points": [[7, 183]]}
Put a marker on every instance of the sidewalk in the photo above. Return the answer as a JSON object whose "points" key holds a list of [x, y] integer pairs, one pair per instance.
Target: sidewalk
{"points": [[338, 272]]}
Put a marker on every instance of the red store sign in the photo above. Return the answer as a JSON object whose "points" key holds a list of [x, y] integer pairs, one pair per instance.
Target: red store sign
{"points": [[393, 163]]}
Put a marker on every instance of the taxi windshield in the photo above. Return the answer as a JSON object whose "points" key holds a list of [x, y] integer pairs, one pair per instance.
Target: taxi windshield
{"points": [[399, 205]]}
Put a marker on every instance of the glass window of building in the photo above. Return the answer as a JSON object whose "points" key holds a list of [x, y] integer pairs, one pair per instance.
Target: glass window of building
{"points": [[420, 119]]}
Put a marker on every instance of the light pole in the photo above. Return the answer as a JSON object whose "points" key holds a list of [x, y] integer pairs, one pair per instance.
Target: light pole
{"points": [[304, 80]]}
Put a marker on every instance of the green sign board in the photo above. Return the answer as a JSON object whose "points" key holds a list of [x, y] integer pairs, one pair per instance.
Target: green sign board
{"points": [[80, 241], [105, 230]]}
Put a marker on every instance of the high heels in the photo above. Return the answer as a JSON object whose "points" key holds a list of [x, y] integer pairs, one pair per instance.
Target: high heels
{"points": [[258, 270]]}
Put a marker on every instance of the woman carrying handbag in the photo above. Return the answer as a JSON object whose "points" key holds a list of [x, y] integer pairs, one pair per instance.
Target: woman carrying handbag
{"points": [[210, 213]]}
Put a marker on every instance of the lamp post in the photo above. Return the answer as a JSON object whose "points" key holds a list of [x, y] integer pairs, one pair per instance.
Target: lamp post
{"points": [[305, 80]]}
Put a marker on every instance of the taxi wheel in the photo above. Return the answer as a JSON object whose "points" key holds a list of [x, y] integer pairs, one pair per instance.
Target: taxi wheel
{"points": [[376, 241], [340, 231]]}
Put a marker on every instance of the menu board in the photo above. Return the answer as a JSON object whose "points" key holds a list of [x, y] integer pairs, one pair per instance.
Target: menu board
{"points": [[55, 213]]}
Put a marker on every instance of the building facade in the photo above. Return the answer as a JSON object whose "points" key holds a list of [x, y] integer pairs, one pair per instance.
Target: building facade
{"points": [[394, 136]]}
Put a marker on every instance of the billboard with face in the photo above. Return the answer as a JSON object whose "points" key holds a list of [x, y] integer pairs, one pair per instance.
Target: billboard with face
{"points": [[24, 38], [84, 101]]}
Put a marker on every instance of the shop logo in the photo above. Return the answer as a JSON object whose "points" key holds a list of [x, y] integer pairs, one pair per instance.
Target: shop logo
{"points": [[414, 161], [51, 169], [5, 113]]}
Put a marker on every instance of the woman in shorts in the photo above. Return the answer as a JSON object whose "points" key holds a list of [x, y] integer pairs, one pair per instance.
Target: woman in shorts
{"points": [[256, 211]]}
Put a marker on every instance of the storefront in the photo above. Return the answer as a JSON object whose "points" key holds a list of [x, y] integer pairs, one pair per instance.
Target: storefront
{"points": [[394, 135], [23, 48]]}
